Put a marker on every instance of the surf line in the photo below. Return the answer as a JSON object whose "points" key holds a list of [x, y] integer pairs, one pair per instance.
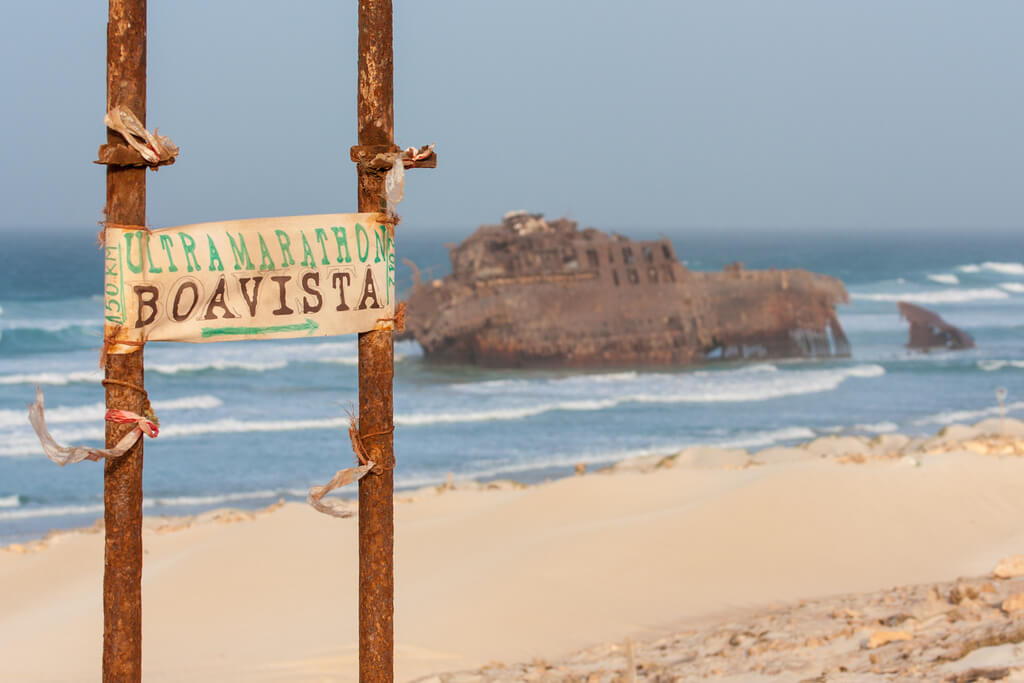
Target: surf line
{"points": [[309, 325]]}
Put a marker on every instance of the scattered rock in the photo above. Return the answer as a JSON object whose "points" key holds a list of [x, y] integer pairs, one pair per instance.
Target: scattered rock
{"points": [[831, 446], [274, 506], [780, 454], [504, 485], [886, 444], [712, 457], [1009, 427], [961, 591], [1009, 567], [641, 463], [1014, 603], [880, 638], [956, 432]]}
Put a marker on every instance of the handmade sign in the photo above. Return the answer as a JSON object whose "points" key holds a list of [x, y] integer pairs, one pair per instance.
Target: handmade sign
{"points": [[249, 279]]}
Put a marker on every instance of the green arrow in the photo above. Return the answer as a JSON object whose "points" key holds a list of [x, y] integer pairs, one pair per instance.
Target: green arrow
{"points": [[232, 331]]}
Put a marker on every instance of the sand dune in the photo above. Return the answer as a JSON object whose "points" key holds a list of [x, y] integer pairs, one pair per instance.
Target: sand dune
{"points": [[511, 573]]}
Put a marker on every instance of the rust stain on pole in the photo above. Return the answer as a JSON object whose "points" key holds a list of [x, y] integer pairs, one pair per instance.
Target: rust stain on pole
{"points": [[376, 123], [122, 477]]}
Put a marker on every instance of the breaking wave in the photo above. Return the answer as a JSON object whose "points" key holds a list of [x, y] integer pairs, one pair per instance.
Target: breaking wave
{"points": [[1006, 268], [756, 383], [10, 501], [521, 401], [94, 411], [148, 503], [598, 457], [993, 365], [176, 368], [876, 427], [945, 278], [941, 297], [1016, 287], [55, 511], [963, 416], [63, 378], [53, 378]]}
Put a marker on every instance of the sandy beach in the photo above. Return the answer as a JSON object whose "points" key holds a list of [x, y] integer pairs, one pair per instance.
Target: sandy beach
{"points": [[495, 574]]}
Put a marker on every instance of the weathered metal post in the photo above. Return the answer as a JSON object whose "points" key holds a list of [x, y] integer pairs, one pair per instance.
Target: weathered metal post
{"points": [[376, 122], [122, 477]]}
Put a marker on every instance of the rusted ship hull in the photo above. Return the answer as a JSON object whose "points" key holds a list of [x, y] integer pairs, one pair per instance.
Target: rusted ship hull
{"points": [[551, 295]]}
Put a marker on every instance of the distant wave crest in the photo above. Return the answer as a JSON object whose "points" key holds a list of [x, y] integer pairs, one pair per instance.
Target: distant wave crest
{"points": [[940, 297], [23, 512], [965, 416], [945, 278], [1006, 268], [94, 411], [993, 365]]}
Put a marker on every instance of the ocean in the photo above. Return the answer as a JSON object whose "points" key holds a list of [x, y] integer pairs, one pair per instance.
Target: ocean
{"points": [[243, 424]]}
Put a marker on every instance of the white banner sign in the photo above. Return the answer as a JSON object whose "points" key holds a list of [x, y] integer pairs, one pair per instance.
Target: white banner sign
{"points": [[249, 279]]}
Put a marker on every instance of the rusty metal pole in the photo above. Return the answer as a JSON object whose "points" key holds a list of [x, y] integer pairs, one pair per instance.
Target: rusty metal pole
{"points": [[376, 122], [122, 477]]}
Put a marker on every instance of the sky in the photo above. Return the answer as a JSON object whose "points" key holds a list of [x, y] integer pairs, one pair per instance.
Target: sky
{"points": [[669, 115]]}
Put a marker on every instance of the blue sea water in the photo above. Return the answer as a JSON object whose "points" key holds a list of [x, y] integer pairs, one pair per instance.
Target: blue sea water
{"points": [[246, 423]]}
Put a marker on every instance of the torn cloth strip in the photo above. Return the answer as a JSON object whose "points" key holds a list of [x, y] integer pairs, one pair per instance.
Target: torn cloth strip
{"points": [[62, 455], [345, 476], [341, 478]]}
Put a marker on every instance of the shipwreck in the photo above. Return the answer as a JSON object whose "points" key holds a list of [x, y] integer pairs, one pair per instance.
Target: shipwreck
{"points": [[928, 330], [534, 293]]}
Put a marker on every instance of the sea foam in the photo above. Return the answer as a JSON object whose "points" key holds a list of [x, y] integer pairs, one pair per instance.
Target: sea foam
{"points": [[993, 365], [94, 411], [941, 297], [1006, 268], [945, 278], [967, 416]]}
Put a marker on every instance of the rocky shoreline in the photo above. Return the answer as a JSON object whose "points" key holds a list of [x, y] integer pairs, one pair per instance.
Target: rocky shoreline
{"points": [[960, 631]]}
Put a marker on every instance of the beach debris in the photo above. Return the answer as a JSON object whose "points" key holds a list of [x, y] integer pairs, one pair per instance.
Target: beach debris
{"points": [[928, 330], [343, 477], [1009, 567], [153, 148]]}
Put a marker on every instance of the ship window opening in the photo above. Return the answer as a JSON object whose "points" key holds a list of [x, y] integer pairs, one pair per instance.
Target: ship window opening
{"points": [[668, 252], [611, 256], [615, 277], [669, 275], [649, 254], [652, 274], [634, 277], [627, 255], [592, 257]]}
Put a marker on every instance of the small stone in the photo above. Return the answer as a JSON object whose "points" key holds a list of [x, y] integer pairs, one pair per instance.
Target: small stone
{"points": [[962, 591], [880, 638], [1009, 567], [1014, 603]]}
